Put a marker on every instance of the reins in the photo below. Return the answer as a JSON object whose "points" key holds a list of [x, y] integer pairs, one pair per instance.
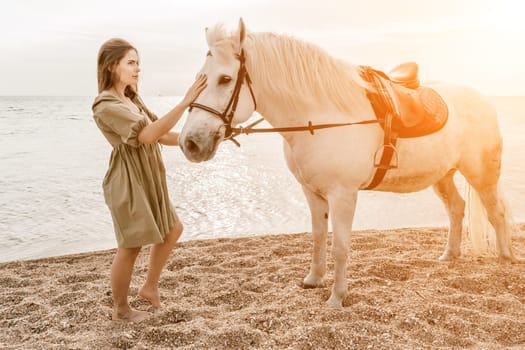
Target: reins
{"points": [[310, 127]]}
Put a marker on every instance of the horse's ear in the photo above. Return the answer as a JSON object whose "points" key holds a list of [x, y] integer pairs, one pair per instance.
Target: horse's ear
{"points": [[207, 34], [242, 33]]}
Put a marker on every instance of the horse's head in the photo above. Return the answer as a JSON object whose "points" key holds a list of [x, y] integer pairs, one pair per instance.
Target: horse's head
{"points": [[227, 100]]}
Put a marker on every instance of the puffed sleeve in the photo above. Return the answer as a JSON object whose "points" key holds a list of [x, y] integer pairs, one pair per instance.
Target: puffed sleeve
{"points": [[122, 121]]}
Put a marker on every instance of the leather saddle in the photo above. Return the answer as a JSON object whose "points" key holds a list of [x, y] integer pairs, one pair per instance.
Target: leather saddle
{"points": [[417, 110], [405, 74], [404, 108]]}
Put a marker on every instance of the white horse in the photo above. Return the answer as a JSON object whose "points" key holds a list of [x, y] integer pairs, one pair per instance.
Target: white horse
{"points": [[290, 83]]}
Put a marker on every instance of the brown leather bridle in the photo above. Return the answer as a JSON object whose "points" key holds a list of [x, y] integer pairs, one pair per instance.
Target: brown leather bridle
{"points": [[229, 112]]}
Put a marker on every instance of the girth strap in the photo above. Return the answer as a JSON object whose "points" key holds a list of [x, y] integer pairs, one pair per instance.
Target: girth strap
{"points": [[381, 101]]}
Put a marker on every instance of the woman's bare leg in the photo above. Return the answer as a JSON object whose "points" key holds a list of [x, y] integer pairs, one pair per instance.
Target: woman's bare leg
{"points": [[158, 257], [121, 271]]}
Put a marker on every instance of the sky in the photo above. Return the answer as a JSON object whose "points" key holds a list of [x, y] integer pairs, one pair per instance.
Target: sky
{"points": [[49, 47]]}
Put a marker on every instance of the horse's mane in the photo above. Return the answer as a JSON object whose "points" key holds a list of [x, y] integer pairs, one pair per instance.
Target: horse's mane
{"points": [[298, 73]]}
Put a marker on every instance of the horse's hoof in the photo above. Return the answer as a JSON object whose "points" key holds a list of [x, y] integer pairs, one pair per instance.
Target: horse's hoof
{"points": [[335, 303], [449, 256], [508, 260], [313, 282]]}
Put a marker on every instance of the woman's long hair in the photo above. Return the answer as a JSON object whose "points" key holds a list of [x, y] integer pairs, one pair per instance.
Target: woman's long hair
{"points": [[109, 55]]}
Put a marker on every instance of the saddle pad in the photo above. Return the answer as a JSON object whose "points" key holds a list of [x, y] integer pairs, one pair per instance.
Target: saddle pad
{"points": [[435, 115]]}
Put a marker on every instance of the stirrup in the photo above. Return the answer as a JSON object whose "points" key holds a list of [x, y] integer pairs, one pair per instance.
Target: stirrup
{"points": [[384, 148]]}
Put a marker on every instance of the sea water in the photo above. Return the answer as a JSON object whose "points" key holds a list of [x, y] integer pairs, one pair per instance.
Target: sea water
{"points": [[53, 159]]}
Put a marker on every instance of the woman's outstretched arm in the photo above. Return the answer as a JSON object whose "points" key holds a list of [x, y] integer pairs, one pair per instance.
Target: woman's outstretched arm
{"points": [[170, 139], [155, 131]]}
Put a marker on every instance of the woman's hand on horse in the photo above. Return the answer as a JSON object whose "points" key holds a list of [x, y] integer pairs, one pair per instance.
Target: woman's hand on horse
{"points": [[195, 89]]}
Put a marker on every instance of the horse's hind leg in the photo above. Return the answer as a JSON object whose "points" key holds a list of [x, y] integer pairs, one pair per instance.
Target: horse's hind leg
{"points": [[499, 217], [484, 176], [455, 205], [319, 210]]}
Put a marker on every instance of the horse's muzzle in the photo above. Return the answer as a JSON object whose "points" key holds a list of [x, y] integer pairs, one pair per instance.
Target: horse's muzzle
{"points": [[198, 149]]}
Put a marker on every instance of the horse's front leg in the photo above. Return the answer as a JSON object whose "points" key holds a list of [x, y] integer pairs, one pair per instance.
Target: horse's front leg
{"points": [[319, 210], [342, 208]]}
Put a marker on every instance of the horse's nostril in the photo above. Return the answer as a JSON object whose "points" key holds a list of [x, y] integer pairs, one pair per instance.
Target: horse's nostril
{"points": [[191, 146]]}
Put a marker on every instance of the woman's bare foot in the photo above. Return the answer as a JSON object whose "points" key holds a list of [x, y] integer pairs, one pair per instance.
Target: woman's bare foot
{"points": [[151, 295], [130, 316]]}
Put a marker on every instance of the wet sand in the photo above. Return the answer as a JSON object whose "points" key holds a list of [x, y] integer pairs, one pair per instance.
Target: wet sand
{"points": [[246, 294]]}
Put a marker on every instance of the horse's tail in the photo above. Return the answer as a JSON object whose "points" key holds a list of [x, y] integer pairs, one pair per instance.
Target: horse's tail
{"points": [[479, 230]]}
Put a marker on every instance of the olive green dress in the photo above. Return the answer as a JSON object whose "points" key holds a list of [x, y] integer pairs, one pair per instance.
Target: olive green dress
{"points": [[135, 187]]}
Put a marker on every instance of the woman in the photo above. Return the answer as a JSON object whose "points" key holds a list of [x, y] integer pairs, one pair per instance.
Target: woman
{"points": [[135, 187]]}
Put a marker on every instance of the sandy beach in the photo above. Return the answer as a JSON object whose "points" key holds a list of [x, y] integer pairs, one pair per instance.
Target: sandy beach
{"points": [[246, 294]]}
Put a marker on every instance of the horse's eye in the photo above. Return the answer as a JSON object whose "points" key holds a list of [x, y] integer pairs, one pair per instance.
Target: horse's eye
{"points": [[225, 79]]}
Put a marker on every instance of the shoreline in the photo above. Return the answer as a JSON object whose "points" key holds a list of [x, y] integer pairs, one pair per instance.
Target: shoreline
{"points": [[245, 293]]}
